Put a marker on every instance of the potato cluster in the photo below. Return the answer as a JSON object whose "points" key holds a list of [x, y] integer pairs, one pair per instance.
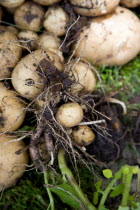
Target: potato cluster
{"points": [[32, 58]]}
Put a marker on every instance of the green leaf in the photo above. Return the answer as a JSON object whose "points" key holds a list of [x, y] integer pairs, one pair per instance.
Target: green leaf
{"points": [[95, 198], [137, 206], [107, 173], [67, 195], [98, 185], [123, 208], [102, 208], [117, 190]]}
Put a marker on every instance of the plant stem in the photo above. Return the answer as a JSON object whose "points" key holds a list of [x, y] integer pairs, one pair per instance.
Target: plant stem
{"points": [[66, 172], [48, 190], [127, 185]]}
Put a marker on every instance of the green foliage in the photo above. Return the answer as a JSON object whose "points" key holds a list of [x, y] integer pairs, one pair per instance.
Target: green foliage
{"points": [[107, 173]]}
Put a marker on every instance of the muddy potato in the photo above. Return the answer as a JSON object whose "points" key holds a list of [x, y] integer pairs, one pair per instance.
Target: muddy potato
{"points": [[11, 3], [83, 135], [10, 52], [47, 40], [12, 110], [28, 77], [12, 166], [84, 77], [69, 115], [29, 16], [56, 20], [28, 39], [130, 3], [94, 8], [46, 2], [104, 43]]}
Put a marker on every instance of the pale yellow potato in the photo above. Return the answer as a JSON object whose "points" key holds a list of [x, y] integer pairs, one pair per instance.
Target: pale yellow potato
{"points": [[11, 3], [47, 40], [29, 16], [56, 20], [94, 8], [111, 39], [12, 110], [83, 135], [46, 2], [28, 39], [10, 52], [28, 77], [83, 76], [130, 3], [13, 29], [69, 115], [12, 166]]}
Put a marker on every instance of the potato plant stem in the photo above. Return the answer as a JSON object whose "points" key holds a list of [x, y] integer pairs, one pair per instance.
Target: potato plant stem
{"points": [[66, 172], [48, 190]]}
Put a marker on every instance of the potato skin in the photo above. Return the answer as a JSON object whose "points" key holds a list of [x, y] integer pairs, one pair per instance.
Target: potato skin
{"points": [[12, 113], [69, 115], [46, 2], [11, 165], [29, 16], [106, 43], [10, 52], [83, 135], [11, 3], [130, 3], [28, 77]]}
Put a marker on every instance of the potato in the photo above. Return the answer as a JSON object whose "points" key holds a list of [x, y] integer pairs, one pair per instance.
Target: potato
{"points": [[29, 75], [84, 77], [13, 29], [10, 52], [56, 20], [11, 3], [130, 3], [47, 40], [111, 39], [69, 115], [46, 2], [12, 113], [94, 8], [83, 135], [29, 16], [28, 39], [12, 166]]}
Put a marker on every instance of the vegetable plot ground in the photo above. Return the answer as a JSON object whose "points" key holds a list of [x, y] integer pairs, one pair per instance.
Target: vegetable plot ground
{"points": [[70, 104]]}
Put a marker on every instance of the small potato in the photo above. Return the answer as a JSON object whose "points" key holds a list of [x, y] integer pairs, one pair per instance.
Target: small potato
{"points": [[11, 3], [47, 40], [56, 20], [83, 135], [69, 115], [46, 2], [94, 8], [28, 39], [10, 52], [12, 110], [29, 16], [29, 76], [84, 77], [110, 39], [130, 3], [12, 166]]}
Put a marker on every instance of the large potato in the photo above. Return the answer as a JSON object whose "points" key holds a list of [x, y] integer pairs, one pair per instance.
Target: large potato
{"points": [[111, 39], [11, 3], [46, 2], [10, 52], [29, 75], [12, 110], [12, 166], [130, 3], [94, 8]]}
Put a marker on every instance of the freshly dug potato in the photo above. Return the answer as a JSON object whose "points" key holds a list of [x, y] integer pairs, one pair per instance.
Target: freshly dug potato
{"points": [[46, 2], [111, 39], [28, 39], [11, 3], [28, 77], [94, 8], [56, 20], [47, 40], [130, 3], [29, 16], [12, 113], [84, 77], [69, 115], [83, 135], [13, 29], [10, 52], [12, 166]]}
